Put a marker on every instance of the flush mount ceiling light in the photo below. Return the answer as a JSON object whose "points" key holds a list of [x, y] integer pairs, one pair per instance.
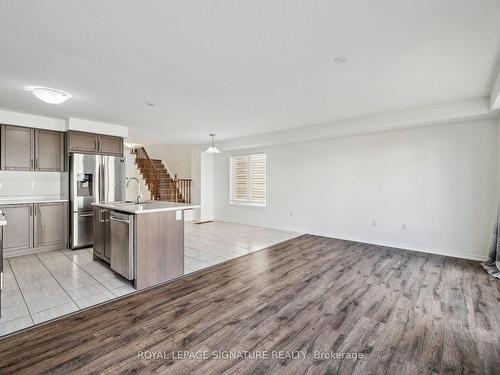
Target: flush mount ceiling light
{"points": [[212, 149], [342, 59], [49, 95]]}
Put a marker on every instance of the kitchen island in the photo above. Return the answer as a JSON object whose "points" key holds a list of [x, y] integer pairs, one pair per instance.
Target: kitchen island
{"points": [[142, 242]]}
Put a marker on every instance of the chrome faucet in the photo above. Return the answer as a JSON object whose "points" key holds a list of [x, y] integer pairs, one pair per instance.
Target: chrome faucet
{"points": [[140, 197]]}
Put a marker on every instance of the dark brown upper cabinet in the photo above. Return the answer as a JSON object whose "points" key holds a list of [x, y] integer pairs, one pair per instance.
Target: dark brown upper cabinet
{"points": [[17, 151], [82, 142], [95, 143], [26, 149], [49, 151], [110, 145]]}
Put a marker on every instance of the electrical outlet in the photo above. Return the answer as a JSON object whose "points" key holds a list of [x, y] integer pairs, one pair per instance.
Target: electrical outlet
{"points": [[404, 226], [374, 222], [290, 213], [32, 185]]}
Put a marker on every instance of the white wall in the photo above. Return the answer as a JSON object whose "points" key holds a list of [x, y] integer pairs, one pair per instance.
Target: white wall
{"points": [[431, 115], [495, 95], [196, 181], [440, 181], [177, 158], [206, 187]]}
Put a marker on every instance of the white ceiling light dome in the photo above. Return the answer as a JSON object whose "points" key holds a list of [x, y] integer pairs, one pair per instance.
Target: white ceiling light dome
{"points": [[50, 95]]}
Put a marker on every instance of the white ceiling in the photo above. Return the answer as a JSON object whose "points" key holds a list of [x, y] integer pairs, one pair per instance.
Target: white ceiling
{"points": [[239, 67]]}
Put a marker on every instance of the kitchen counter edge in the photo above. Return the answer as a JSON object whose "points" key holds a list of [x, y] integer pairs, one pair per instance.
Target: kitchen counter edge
{"points": [[133, 209], [5, 202]]}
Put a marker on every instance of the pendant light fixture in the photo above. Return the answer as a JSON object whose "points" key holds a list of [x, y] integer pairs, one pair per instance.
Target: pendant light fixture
{"points": [[212, 149]]}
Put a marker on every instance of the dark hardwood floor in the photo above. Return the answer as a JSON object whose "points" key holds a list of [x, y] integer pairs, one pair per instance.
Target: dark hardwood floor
{"points": [[405, 312]]}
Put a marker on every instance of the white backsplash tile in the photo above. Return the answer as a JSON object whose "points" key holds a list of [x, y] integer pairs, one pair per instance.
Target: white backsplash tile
{"points": [[20, 183]]}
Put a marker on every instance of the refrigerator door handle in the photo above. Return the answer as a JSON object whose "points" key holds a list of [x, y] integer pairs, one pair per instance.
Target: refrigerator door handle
{"points": [[105, 177], [101, 183], [97, 184]]}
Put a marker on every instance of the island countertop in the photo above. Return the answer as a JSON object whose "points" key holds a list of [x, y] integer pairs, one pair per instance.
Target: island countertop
{"points": [[146, 207]]}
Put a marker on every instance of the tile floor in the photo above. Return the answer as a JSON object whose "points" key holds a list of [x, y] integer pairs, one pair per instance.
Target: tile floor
{"points": [[44, 286], [211, 243]]}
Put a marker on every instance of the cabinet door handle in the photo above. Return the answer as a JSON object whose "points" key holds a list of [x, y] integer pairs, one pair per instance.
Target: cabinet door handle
{"points": [[112, 218]]}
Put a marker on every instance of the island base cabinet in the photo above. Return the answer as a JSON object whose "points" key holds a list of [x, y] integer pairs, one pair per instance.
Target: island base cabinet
{"points": [[159, 247], [102, 234]]}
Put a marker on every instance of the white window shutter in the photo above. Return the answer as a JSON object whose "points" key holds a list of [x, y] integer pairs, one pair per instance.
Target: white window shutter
{"points": [[258, 175], [240, 179], [249, 179]]}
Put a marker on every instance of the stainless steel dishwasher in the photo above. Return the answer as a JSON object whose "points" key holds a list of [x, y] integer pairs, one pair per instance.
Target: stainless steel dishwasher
{"points": [[122, 244]]}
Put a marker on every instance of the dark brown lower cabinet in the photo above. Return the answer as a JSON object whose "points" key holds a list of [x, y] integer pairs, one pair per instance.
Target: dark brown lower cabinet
{"points": [[33, 228], [18, 233], [102, 234], [51, 227]]}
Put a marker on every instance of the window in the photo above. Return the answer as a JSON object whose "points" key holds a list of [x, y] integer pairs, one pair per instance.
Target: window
{"points": [[249, 180]]}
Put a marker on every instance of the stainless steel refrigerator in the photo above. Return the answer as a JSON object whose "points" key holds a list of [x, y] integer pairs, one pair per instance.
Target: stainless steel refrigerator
{"points": [[93, 178]]}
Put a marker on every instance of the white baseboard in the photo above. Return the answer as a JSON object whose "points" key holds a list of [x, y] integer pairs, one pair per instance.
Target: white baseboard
{"points": [[408, 247]]}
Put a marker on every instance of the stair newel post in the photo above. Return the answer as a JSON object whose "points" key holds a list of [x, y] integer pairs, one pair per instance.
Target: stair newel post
{"points": [[174, 185], [158, 184]]}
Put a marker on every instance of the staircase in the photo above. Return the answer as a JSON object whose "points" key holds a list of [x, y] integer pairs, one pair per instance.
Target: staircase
{"points": [[161, 184]]}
